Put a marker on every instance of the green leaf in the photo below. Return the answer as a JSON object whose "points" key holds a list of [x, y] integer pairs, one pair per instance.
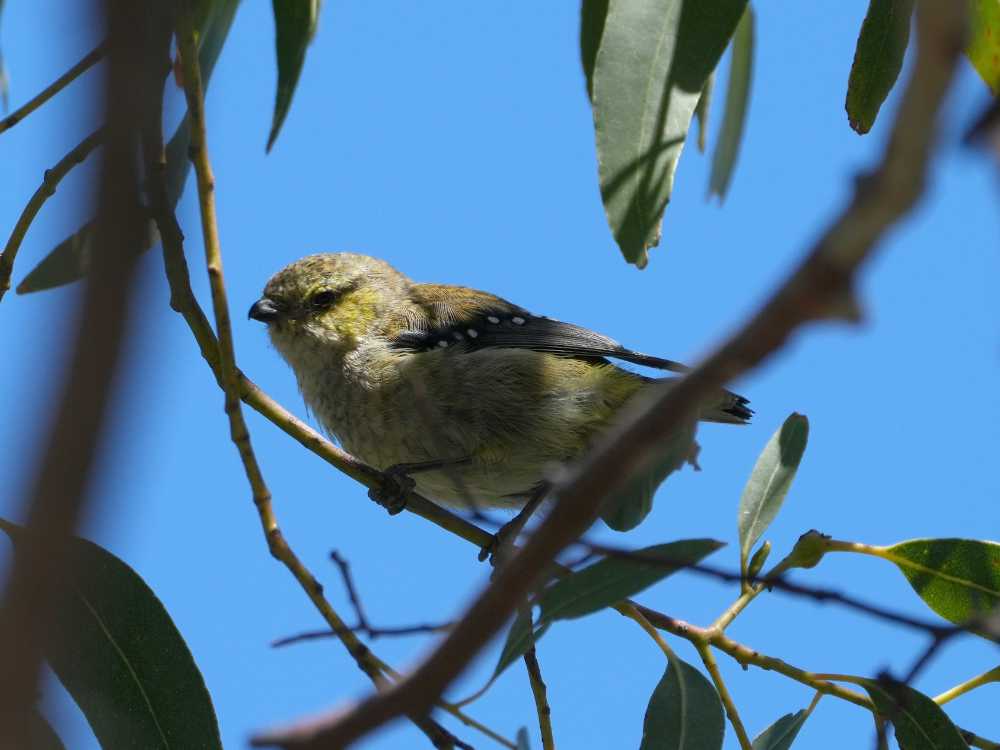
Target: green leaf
{"points": [[684, 712], [520, 637], [782, 733], [651, 67], [70, 259], [522, 739], [592, 16], [629, 506], [878, 58], [769, 481], [41, 735], [957, 578], [920, 723], [118, 653], [613, 579], [295, 25], [757, 561], [983, 49], [737, 99], [701, 111]]}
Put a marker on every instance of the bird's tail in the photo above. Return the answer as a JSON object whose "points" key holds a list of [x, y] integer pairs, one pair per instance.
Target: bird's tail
{"points": [[728, 408]]}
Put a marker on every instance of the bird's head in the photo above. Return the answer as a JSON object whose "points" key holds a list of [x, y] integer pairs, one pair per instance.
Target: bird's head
{"points": [[328, 303]]}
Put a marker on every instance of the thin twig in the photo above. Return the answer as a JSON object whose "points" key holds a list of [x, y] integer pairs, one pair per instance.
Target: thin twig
{"points": [[540, 694], [46, 190], [352, 592], [89, 60], [373, 633], [708, 659], [59, 494], [363, 626]]}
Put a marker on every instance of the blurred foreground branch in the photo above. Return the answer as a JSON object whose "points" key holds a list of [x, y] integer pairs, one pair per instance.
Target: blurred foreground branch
{"points": [[59, 495]]}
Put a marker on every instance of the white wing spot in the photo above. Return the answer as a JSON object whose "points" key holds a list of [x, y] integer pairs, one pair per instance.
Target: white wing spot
{"points": [[472, 333], [493, 319], [457, 335], [443, 344], [517, 320]]}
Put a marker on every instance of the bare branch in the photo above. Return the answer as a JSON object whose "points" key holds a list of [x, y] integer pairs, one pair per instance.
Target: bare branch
{"points": [[540, 694], [89, 60]]}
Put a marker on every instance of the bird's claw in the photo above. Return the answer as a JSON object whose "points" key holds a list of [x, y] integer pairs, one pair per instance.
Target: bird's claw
{"points": [[498, 543], [391, 493]]}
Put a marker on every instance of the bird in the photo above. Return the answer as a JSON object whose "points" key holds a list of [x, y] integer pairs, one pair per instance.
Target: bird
{"points": [[458, 393]]}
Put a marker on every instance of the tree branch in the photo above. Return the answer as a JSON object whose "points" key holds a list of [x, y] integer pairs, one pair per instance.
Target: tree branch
{"points": [[708, 659], [46, 190], [89, 60], [540, 694]]}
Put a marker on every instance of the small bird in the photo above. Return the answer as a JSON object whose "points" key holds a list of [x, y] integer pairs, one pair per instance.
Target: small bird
{"points": [[464, 394]]}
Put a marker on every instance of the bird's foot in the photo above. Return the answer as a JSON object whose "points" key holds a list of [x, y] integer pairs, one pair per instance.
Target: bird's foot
{"points": [[502, 543], [396, 485], [503, 539]]}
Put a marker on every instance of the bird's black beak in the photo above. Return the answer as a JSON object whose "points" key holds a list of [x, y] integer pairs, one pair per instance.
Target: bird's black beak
{"points": [[264, 310]]}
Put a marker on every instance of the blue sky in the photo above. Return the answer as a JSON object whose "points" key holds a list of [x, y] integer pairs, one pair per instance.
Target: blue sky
{"points": [[455, 141]]}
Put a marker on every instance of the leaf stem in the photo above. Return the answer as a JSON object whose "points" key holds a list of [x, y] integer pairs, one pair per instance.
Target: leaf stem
{"points": [[88, 61], [839, 545], [708, 659], [750, 593], [46, 190], [992, 675]]}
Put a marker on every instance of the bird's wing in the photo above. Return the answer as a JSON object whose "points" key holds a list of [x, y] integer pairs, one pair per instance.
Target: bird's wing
{"points": [[477, 320]]}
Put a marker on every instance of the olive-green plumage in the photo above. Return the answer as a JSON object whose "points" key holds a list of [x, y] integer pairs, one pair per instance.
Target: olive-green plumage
{"points": [[402, 372]]}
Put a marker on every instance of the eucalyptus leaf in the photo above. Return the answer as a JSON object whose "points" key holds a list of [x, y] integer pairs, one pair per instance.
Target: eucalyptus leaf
{"points": [[522, 634], [737, 100], [957, 578], [613, 579], [769, 482], [629, 506], [592, 16], [920, 723], [878, 58], [651, 67], [70, 260], [684, 712], [782, 733], [701, 111], [295, 25], [122, 659], [984, 42]]}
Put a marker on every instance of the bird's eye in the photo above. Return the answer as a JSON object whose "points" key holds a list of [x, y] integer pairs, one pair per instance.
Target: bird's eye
{"points": [[323, 299]]}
